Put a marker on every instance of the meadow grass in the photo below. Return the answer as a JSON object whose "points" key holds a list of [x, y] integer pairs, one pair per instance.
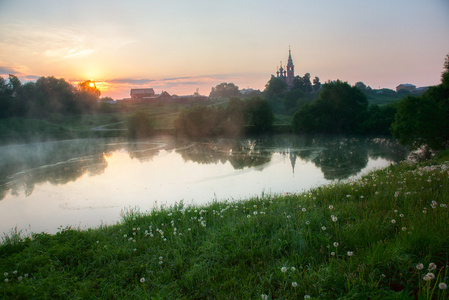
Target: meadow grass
{"points": [[384, 236]]}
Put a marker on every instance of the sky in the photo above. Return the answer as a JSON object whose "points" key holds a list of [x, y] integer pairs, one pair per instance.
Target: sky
{"points": [[180, 46]]}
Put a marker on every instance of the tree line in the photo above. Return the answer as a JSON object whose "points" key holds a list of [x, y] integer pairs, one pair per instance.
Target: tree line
{"points": [[236, 118], [48, 95]]}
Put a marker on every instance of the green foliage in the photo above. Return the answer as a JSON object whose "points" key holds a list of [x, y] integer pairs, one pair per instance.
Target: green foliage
{"points": [[275, 87], [197, 121], [304, 84], [339, 108], [208, 121], [423, 121], [46, 96], [362, 239], [140, 125], [225, 90], [292, 99], [259, 114], [379, 119]]}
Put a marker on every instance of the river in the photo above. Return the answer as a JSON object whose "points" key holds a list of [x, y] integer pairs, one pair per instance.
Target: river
{"points": [[88, 182]]}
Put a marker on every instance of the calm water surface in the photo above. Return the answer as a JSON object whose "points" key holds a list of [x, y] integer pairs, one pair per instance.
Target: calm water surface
{"points": [[86, 183]]}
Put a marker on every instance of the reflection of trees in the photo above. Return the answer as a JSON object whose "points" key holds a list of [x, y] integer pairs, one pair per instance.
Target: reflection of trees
{"points": [[24, 166], [239, 153], [143, 151], [342, 157]]}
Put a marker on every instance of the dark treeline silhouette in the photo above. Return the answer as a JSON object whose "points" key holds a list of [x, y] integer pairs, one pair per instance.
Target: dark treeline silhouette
{"points": [[340, 108], [423, 121], [48, 95], [234, 119]]}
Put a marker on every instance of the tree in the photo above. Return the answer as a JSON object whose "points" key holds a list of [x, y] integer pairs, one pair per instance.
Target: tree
{"points": [[197, 121], [316, 84], [291, 100], [224, 90], [307, 83], [360, 85], [5, 98], [339, 108], [87, 96], [140, 125], [422, 121], [259, 114], [275, 87], [379, 119]]}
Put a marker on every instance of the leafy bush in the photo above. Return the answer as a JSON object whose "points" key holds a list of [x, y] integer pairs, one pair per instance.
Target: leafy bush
{"points": [[139, 125]]}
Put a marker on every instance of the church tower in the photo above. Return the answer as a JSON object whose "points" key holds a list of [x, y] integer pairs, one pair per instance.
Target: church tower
{"points": [[290, 69], [287, 74]]}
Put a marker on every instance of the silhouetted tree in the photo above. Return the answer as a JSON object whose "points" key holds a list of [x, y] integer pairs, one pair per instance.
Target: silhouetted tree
{"points": [[224, 90], [423, 121], [275, 87], [339, 108], [259, 114], [316, 84]]}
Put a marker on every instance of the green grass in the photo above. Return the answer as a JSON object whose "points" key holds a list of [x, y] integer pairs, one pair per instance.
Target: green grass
{"points": [[282, 246], [384, 98]]}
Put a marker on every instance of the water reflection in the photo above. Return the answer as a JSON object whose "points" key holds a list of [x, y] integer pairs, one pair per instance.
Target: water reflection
{"points": [[240, 153], [23, 167]]}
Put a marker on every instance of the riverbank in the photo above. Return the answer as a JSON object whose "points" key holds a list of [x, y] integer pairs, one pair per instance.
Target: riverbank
{"points": [[360, 239]]}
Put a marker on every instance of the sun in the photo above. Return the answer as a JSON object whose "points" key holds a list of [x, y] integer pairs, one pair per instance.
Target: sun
{"points": [[92, 84]]}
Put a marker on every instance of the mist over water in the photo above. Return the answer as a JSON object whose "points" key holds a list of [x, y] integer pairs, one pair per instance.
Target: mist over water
{"points": [[86, 183]]}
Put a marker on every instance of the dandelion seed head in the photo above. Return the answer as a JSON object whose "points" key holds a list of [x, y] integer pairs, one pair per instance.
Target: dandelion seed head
{"points": [[284, 269], [335, 244], [264, 296], [294, 284], [323, 228], [442, 286], [331, 207], [432, 266], [142, 280], [350, 253], [393, 221]]}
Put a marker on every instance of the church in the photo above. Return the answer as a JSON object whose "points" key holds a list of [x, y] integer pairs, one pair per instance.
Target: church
{"points": [[288, 74]]}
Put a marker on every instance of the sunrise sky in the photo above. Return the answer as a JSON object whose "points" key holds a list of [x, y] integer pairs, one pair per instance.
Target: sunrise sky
{"points": [[181, 45]]}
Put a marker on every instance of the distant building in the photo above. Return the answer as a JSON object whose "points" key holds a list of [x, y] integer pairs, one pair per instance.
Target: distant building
{"points": [[287, 74], [142, 93], [406, 87], [164, 96]]}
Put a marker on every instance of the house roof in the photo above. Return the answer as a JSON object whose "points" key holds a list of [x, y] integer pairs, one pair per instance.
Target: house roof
{"points": [[142, 91]]}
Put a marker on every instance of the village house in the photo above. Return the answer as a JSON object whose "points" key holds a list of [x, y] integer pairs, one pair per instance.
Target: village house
{"points": [[406, 87], [142, 93]]}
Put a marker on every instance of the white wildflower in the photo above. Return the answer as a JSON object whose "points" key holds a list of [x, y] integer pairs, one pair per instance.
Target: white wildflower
{"points": [[432, 266]]}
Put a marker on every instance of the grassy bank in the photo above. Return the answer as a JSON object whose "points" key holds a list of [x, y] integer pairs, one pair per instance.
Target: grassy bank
{"points": [[357, 240]]}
